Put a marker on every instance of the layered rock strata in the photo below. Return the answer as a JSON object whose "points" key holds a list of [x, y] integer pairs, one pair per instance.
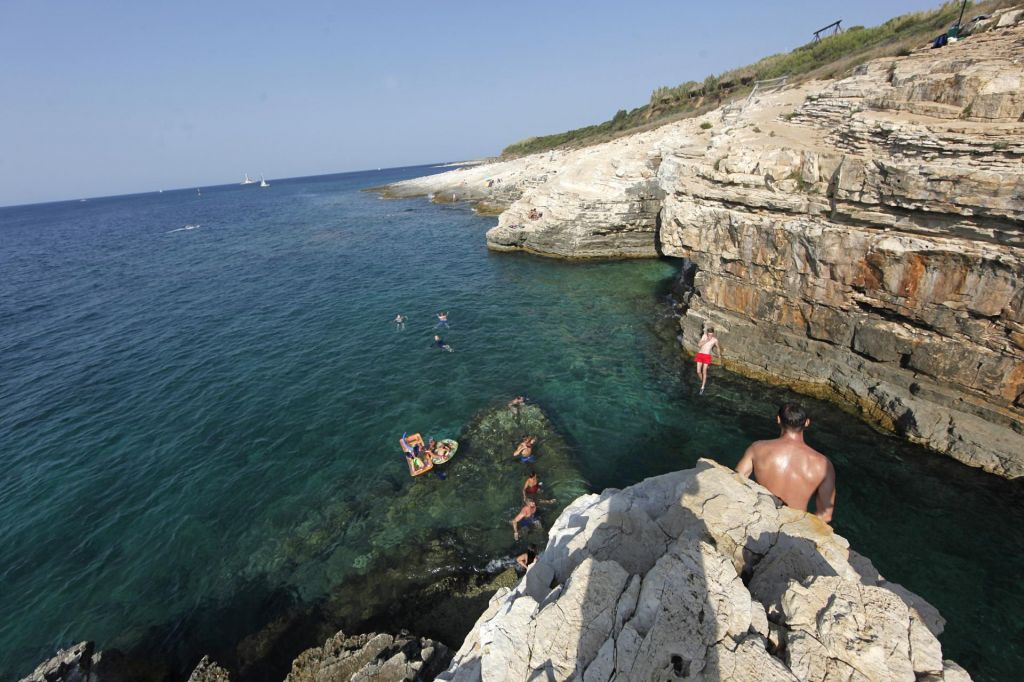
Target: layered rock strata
{"points": [[701, 575], [860, 239], [873, 250]]}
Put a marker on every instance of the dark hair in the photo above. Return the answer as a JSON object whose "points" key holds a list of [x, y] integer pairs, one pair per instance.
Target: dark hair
{"points": [[792, 417], [710, 329], [532, 474]]}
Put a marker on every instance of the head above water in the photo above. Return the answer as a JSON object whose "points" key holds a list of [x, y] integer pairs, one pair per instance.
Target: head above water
{"points": [[792, 417]]}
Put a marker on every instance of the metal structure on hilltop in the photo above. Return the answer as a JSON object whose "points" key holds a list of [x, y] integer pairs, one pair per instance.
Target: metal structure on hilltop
{"points": [[836, 28]]}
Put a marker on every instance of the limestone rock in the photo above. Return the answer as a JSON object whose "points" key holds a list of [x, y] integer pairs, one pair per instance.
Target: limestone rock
{"points": [[370, 658], [208, 671], [861, 239], [695, 611]]}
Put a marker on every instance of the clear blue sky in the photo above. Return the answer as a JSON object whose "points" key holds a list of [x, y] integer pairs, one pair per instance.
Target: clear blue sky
{"points": [[104, 97]]}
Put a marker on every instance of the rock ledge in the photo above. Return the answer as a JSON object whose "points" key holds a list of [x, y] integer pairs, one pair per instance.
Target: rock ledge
{"points": [[701, 575]]}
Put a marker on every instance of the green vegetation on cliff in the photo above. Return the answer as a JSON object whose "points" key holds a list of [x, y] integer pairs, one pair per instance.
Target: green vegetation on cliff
{"points": [[829, 57]]}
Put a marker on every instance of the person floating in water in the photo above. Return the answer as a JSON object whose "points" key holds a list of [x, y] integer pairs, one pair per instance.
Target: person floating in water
{"points": [[525, 518], [707, 344], [531, 489], [791, 469], [414, 454], [440, 343], [527, 557], [525, 449], [400, 320], [442, 320]]}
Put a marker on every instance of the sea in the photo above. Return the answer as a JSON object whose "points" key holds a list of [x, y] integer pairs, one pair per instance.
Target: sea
{"points": [[189, 378]]}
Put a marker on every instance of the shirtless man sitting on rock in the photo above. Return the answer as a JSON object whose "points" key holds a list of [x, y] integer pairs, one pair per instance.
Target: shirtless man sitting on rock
{"points": [[791, 469]]}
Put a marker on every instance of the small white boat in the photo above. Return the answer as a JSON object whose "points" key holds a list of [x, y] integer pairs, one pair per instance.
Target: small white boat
{"points": [[247, 180], [263, 183]]}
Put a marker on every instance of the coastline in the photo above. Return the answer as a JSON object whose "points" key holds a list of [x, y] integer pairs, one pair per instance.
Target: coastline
{"points": [[827, 242]]}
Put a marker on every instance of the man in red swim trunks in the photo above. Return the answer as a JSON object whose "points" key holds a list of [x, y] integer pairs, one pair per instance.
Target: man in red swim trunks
{"points": [[707, 344]]}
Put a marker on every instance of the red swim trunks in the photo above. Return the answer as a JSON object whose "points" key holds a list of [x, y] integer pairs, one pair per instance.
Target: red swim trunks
{"points": [[702, 359]]}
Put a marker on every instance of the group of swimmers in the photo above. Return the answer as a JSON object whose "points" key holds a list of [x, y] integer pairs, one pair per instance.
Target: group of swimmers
{"points": [[422, 456], [442, 322]]}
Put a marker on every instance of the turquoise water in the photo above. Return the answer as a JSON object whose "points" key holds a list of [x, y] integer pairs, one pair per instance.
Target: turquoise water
{"points": [[183, 411]]}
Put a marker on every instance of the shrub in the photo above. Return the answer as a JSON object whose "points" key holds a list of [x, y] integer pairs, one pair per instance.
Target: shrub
{"points": [[705, 125]]}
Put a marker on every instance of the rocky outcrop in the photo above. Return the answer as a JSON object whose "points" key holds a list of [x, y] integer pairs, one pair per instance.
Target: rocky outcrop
{"points": [[83, 663], [860, 240], [371, 658], [873, 250], [701, 575]]}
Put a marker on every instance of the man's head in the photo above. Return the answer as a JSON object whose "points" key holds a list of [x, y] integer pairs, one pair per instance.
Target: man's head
{"points": [[792, 417], [533, 474], [436, 337], [710, 330]]}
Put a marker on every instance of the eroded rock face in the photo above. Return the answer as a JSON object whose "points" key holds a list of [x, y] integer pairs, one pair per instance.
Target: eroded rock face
{"points": [[873, 249], [701, 575], [860, 239]]}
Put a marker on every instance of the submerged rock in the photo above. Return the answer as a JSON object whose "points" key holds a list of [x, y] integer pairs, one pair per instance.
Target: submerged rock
{"points": [[701, 574]]}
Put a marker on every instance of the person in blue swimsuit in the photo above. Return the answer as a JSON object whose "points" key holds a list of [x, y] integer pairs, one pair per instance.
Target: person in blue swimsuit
{"points": [[526, 518], [440, 343], [442, 319]]}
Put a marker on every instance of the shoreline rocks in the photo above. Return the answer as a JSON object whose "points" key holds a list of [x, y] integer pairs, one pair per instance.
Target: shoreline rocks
{"points": [[701, 574], [860, 240]]}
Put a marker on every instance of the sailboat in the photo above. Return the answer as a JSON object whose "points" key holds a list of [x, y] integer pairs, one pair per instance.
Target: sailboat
{"points": [[263, 183], [247, 180]]}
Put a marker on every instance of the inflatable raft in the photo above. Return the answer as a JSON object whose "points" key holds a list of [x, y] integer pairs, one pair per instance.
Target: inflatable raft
{"points": [[423, 463], [444, 450]]}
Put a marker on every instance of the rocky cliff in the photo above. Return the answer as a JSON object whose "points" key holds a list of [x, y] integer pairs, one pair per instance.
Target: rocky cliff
{"points": [[701, 575], [859, 239]]}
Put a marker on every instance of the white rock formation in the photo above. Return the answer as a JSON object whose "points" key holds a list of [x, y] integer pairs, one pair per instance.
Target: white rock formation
{"points": [[701, 575]]}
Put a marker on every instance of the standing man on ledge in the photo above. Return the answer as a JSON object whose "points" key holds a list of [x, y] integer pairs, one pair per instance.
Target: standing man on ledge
{"points": [[791, 469]]}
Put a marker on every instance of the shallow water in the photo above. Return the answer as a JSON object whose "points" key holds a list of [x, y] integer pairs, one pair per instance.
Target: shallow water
{"points": [[195, 422]]}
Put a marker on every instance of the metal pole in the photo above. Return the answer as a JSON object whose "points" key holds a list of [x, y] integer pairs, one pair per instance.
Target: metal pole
{"points": [[963, 6]]}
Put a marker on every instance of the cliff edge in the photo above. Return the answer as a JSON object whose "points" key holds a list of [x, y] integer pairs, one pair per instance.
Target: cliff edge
{"points": [[701, 575], [860, 239]]}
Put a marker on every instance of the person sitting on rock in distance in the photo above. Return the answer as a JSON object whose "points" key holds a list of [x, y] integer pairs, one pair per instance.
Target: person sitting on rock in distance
{"points": [[525, 449], [527, 557], [516, 403], [525, 518], [791, 469]]}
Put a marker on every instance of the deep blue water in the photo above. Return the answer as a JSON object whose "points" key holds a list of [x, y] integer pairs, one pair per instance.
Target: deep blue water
{"points": [[174, 402]]}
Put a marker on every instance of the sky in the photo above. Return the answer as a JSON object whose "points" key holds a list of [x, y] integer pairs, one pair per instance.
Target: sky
{"points": [[100, 98]]}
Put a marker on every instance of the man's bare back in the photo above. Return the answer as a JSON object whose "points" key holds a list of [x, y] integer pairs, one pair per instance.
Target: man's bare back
{"points": [[791, 469]]}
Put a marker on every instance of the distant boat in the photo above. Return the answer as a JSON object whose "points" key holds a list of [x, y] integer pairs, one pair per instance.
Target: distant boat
{"points": [[247, 180], [263, 183]]}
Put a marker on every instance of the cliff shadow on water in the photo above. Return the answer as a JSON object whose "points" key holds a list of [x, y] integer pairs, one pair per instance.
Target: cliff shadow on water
{"points": [[700, 575], [421, 553]]}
